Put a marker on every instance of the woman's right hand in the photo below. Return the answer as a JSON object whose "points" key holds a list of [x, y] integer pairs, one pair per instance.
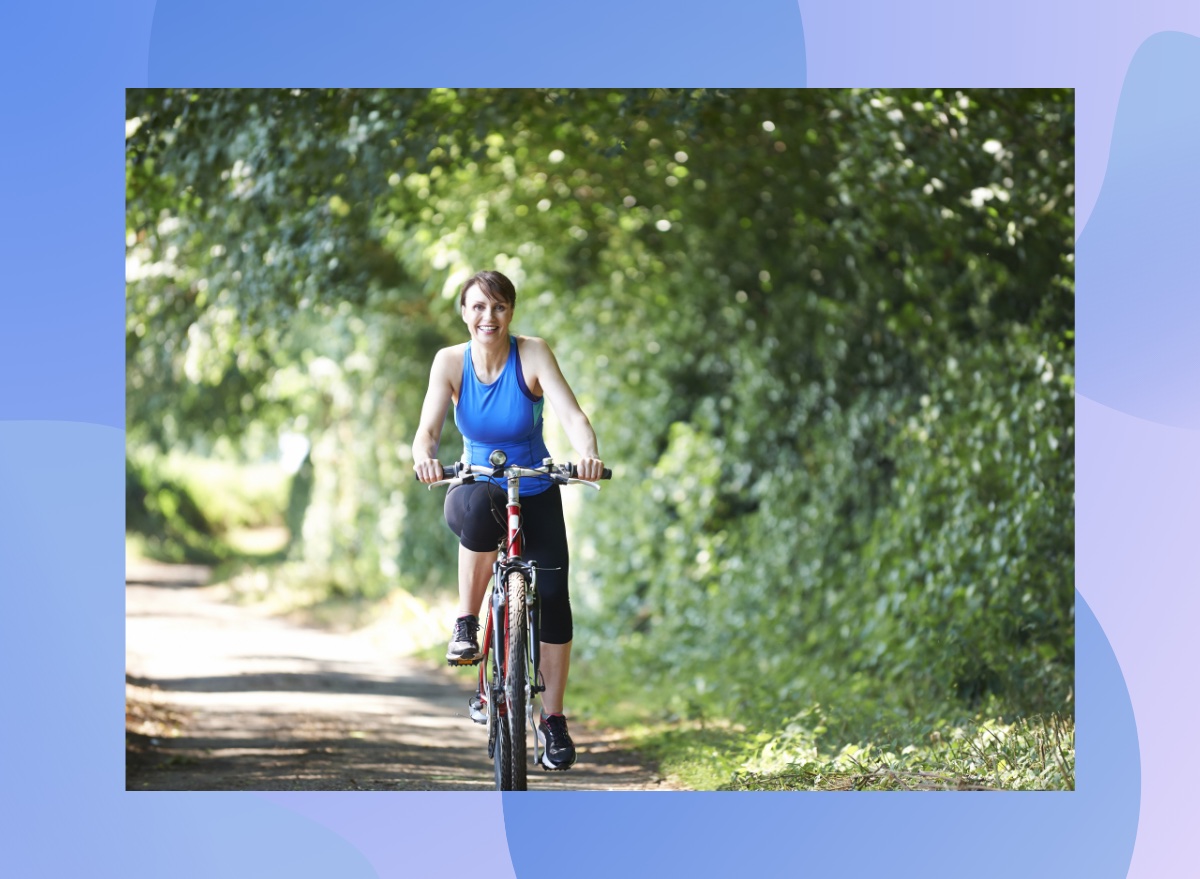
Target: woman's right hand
{"points": [[428, 470]]}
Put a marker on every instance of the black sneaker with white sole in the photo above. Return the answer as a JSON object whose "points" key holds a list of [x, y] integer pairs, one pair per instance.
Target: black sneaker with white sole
{"points": [[558, 751], [464, 643]]}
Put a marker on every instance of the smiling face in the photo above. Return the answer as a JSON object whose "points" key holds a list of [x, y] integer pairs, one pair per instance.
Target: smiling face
{"points": [[487, 319]]}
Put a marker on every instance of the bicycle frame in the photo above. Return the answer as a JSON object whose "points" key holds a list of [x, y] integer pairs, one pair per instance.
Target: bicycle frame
{"points": [[510, 559], [513, 558]]}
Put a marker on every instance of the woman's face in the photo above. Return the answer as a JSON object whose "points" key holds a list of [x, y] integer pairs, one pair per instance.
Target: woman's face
{"points": [[486, 319]]}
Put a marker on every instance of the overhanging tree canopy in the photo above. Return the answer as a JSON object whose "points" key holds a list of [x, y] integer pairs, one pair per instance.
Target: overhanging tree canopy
{"points": [[825, 336]]}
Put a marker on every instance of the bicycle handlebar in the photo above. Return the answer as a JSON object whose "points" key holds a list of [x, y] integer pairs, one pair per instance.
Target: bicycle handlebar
{"points": [[562, 473]]}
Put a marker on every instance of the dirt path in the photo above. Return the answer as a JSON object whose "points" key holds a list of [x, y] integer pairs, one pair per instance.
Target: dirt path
{"points": [[225, 697]]}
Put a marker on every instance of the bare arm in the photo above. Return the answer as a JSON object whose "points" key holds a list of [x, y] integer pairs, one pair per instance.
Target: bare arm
{"points": [[433, 416], [576, 424]]}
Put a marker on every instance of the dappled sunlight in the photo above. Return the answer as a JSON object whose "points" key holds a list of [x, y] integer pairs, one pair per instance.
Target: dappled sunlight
{"points": [[228, 697], [825, 338]]}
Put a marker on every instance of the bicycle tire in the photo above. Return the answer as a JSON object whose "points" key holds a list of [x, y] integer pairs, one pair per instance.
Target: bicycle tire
{"points": [[498, 726], [516, 674], [502, 757]]}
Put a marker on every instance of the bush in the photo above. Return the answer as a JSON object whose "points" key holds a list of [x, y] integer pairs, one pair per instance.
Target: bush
{"points": [[909, 548], [165, 513]]}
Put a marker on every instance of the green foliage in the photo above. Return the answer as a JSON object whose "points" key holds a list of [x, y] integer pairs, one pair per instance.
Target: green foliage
{"points": [[232, 495], [1031, 754], [828, 749], [185, 506], [825, 339], [164, 512]]}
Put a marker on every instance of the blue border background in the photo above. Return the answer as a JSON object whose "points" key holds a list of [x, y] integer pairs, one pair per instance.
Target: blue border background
{"points": [[62, 416]]}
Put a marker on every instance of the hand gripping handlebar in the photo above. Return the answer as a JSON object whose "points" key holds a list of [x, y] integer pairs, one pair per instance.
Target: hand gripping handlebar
{"points": [[460, 472]]}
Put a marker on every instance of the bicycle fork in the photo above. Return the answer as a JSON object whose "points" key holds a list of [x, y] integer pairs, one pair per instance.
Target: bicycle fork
{"points": [[491, 694]]}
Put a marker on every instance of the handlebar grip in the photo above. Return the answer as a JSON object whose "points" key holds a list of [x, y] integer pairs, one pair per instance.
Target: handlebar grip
{"points": [[573, 472], [448, 472]]}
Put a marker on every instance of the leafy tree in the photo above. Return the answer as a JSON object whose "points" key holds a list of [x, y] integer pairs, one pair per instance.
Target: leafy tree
{"points": [[826, 339]]}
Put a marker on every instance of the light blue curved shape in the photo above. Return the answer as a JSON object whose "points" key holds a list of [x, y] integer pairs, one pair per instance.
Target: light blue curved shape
{"points": [[1138, 275], [66, 812], [619, 43], [412, 833], [1089, 832], [1138, 503], [62, 307], [61, 338], [230, 834]]}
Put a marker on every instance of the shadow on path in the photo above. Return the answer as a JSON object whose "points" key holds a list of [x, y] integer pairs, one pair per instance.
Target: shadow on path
{"points": [[225, 697]]}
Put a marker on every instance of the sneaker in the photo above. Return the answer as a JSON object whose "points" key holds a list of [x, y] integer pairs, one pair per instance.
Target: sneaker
{"points": [[558, 751], [464, 644]]}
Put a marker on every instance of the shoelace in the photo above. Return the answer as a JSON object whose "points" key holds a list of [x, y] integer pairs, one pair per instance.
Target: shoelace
{"points": [[465, 629], [556, 726]]}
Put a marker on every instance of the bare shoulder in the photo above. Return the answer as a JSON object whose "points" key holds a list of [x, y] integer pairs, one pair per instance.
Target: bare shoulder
{"points": [[533, 347], [449, 358], [447, 368]]}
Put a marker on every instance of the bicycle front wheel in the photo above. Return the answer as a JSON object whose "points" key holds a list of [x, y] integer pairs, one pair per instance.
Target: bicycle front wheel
{"points": [[515, 693], [502, 756], [499, 747]]}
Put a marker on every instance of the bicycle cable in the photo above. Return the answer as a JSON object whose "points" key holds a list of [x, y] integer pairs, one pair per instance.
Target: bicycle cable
{"points": [[502, 519]]}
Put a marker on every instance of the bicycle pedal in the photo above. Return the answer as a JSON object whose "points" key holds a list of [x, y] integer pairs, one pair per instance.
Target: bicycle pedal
{"points": [[477, 709], [457, 663]]}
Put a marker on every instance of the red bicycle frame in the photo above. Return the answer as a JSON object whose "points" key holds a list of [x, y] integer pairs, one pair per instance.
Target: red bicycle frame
{"points": [[514, 547], [514, 523]]}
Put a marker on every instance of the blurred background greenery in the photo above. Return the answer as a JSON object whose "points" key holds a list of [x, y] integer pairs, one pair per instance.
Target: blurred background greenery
{"points": [[825, 338]]}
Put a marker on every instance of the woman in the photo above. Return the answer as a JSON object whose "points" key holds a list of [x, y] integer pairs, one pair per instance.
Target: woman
{"points": [[497, 383]]}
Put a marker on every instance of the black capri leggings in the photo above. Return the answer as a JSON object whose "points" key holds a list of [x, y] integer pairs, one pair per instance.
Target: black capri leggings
{"points": [[475, 513]]}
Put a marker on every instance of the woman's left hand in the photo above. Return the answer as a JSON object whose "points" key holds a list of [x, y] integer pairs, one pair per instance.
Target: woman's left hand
{"points": [[589, 469]]}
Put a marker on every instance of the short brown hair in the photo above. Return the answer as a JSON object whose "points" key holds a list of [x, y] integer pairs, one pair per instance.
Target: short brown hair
{"points": [[493, 285]]}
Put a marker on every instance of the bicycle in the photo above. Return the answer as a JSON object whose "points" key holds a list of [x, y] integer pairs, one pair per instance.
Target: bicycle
{"points": [[509, 663]]}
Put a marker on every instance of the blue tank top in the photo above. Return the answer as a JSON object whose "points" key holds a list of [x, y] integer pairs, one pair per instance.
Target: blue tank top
{"points": [[503, 415]]}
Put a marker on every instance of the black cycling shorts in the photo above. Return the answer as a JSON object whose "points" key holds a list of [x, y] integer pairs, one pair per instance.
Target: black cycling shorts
{"points": [[475, 513]]}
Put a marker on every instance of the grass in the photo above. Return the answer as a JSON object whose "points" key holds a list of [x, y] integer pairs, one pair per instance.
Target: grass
{"points": [[981, 754], [984, 754], [189, 509], [236, 495], [853, 744]]}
